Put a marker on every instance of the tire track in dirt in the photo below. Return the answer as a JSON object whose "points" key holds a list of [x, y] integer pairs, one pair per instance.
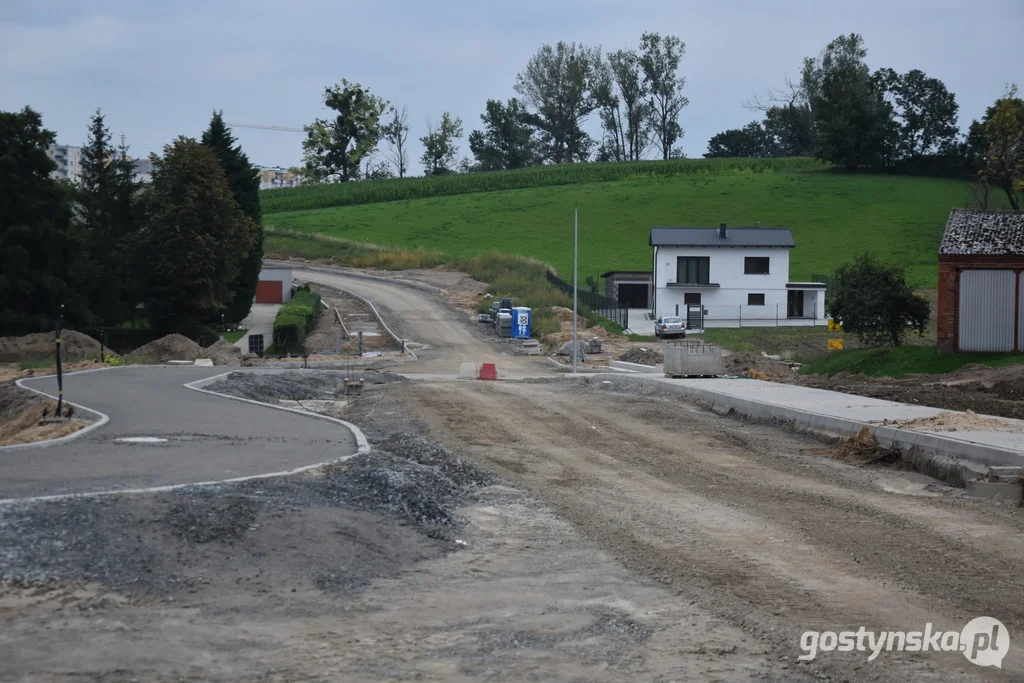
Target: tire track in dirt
{"points": [[729, 513]]}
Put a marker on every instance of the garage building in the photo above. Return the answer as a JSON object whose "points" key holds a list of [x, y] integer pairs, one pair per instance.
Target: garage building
{"points": [[274, 286], [981, 282], [631, 288]]}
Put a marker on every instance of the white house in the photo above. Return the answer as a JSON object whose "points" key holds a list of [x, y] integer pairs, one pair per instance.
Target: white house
{"points": [[731, 277]]}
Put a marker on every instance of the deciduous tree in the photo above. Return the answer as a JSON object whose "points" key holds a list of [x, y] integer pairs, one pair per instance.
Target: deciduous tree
{"points": [[625, 110], [851, 116], [750, 141], [396, 132], [924, 111], [873, 300], [194, 240], [559, 83], [659, 59], [335, 147], [998, 139], [244, 181], [439, 148], [507, 141]]}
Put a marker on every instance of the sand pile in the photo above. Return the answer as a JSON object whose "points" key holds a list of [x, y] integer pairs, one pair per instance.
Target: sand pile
{"points": [[40, 345], [564, 316], [20, 413], [757, 366], [643, 356], [954, 422], [223, 352], [171, 347]]}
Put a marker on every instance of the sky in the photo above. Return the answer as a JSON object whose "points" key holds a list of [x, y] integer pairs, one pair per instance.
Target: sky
{"points": [[159, 69]]}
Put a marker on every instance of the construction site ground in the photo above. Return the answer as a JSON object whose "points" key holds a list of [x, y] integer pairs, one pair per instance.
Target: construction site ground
{"points": [[551, 528]]}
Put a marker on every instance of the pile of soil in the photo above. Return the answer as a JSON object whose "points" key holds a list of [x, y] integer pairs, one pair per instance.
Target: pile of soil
{"points": [[42, 345], [862, 447], [564, 316], [954, 422], [757, 366], [223, 352], [171, 347], [643, 356], [20, 414]]}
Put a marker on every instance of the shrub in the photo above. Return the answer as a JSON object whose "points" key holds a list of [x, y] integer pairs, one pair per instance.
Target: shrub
{"points": [[294, 320]]}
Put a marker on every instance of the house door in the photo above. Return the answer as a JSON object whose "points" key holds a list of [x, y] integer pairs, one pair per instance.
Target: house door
{"points": [[794, 304]]}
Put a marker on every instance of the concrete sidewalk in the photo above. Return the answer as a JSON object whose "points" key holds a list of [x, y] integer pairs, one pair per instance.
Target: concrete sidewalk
{"points": [[259, 321], [843, 414]]}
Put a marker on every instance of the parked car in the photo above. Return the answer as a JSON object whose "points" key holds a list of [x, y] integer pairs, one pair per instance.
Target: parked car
{"points": [[669, 327]]}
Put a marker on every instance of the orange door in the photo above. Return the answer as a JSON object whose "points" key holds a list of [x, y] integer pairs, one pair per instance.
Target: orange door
{"points": [[269, 292]]}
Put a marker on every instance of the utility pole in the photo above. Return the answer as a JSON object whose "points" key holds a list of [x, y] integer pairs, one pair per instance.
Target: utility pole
{"points": [[575, 258]]}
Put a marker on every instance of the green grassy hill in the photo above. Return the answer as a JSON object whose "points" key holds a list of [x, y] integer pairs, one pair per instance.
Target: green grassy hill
{"points": [[833, 216]]}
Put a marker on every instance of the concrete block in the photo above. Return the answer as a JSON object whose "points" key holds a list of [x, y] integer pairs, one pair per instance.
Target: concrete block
{"points": [[990, 489], [204, 362]]}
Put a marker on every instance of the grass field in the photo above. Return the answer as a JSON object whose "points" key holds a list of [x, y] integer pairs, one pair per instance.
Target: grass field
{"points": [[234, 335], [903, 360], [322, 196], [833, 216]]}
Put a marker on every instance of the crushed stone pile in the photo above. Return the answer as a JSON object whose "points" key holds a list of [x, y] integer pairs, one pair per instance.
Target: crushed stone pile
{"points": [[643, 356], [171, 347], [295, 385], [757, 366], [42, 345], [223, 352]]}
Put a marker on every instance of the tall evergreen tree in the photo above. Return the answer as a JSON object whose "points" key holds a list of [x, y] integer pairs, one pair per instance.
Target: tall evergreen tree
{"points": [[243, 179], [41, 253], [106, 197], [194, 240]]}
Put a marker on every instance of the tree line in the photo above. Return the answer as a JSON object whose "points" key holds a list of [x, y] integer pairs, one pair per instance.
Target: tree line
{"points": [[842, 112], [186, 248], [637, 95]]}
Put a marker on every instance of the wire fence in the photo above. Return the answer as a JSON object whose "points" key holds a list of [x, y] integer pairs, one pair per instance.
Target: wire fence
{"points": [[598, 303], [771, 315]]}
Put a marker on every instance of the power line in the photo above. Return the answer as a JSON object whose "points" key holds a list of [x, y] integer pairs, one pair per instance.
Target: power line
{"points": [[287, 129]]}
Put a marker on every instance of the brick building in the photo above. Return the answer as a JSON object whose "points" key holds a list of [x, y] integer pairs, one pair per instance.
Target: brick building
{"points": [[981, 282]]}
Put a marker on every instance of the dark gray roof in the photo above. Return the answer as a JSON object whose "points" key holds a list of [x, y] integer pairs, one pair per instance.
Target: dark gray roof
{"points": [[984, 233], [734, 237]]}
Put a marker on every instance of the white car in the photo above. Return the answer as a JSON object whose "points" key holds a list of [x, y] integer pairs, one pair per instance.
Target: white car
{"points": [[669, 327]]}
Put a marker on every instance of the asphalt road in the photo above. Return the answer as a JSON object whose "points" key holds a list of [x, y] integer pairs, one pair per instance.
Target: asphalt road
{"points": [[208, 438]]}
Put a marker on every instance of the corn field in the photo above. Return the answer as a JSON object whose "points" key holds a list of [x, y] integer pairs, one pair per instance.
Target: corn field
{"points": [[322, 196]]}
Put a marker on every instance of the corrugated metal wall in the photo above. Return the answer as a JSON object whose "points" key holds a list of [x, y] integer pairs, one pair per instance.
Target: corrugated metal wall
{"points": [[1020, 313], [986, 319]]}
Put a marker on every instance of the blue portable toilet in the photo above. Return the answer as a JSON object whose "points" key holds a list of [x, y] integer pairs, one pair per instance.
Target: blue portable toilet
{"points": [[522, 320]]}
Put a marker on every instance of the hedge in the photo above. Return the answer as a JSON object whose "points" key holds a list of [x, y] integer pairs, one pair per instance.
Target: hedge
{"points": [[293, 322]]}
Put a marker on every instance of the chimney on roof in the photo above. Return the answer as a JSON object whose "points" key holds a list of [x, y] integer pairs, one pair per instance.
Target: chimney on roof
{"points": [[721, 231]]}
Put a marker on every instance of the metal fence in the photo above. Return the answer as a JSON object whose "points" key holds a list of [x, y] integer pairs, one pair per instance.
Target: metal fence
{"points": [[772, 315], [598, 303]]}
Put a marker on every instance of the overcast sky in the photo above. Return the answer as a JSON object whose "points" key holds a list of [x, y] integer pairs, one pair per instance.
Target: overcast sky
{"points": [[158, 69]]}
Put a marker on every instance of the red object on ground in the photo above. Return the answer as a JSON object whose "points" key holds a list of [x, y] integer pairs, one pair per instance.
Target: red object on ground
{"points": [[488, 371]]}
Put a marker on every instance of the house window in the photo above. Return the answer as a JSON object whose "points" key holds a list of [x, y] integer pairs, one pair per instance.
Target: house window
{"points": [[691, 298], [693, 270], [755, 265], [755, 299]]}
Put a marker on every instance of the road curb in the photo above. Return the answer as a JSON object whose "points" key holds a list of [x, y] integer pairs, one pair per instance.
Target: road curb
{"points": [[888, 437], [101, 419], [341, 270]]}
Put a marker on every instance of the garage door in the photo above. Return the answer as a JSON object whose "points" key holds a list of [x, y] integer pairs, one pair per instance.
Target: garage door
{"points": [[633, 295], [269, 292], [987, 310]]}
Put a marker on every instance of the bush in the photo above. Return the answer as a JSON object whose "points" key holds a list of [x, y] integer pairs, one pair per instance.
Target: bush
{"points": [[293, 321]]}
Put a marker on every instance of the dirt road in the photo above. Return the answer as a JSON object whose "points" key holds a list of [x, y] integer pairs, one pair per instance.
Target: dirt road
{"points": [[422, 317], [745, 520]]}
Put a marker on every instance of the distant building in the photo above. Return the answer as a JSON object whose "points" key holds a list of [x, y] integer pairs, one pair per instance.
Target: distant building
{"points": [[981, 282], [143, 170], [272, 177], [69, 162]]}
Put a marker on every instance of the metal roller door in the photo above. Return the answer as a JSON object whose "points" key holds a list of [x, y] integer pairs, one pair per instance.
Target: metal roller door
{"points": [[987, 310], [1020, 311]]}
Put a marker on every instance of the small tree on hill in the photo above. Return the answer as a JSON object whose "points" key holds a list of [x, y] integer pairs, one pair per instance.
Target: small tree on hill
{"points": [[873, 300]]}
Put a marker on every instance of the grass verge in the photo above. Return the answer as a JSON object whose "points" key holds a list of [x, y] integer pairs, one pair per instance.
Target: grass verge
{"points": [[521, 278], [899, 361], [234, 335]]}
